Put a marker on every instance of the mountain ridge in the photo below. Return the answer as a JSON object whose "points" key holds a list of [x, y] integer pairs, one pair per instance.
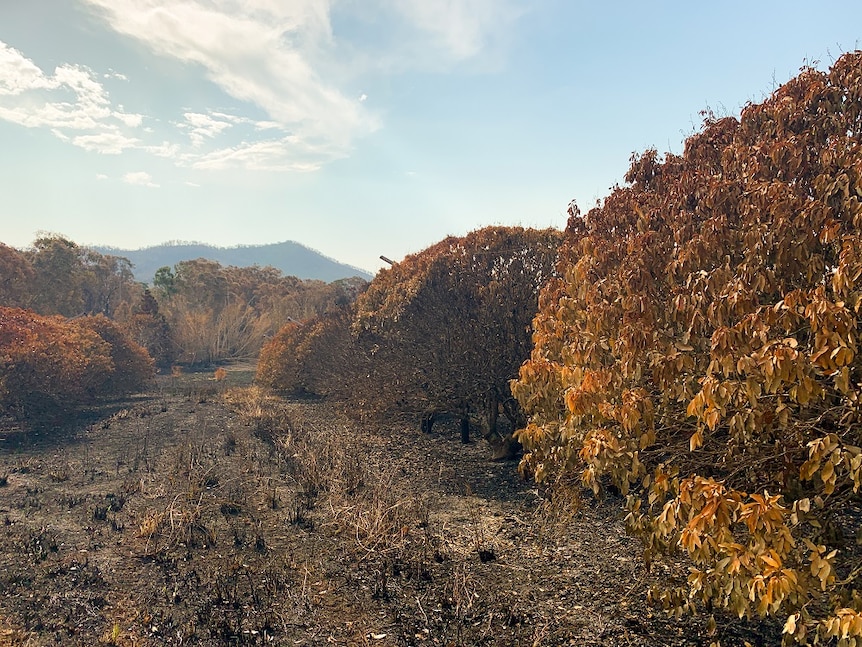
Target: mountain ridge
{"points": [[290, 257]]}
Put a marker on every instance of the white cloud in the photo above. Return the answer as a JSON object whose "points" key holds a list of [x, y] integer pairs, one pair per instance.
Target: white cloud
{"points": [[202, 127], [280, 58], [106, 143], [140, 178], [287, 154], [267, 125], [439, 35], [18, 74], [459, 28], [263, 52], [33, 99], [101, 176], [165, 149], [132, 121], [234, 119]]}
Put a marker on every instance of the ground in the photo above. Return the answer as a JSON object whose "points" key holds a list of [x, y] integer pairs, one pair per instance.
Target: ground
{"points": [[207, 513]]}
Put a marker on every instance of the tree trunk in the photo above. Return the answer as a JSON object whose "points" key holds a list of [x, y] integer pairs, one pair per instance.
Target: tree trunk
{"points": [[492, 413], [426, 423], [465, 429]]}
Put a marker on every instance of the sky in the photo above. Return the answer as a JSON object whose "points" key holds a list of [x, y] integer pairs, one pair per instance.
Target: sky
{"points": [[364, 127]]}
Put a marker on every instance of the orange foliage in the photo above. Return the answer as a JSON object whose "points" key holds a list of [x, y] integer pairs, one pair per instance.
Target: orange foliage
{"points": [[48, 364], [701, 352], [319, 356], [132, 365], [278, 366]]}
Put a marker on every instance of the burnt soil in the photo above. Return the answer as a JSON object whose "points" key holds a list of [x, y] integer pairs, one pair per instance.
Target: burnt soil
{"points": [[191, 515]]}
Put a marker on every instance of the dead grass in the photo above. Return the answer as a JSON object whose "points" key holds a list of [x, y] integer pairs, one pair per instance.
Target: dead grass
{"points": [[247, 519], [11, 636]]}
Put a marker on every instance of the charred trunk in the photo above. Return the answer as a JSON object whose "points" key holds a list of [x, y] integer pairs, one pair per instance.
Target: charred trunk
{"points": [[465, 429], [427, 422]]}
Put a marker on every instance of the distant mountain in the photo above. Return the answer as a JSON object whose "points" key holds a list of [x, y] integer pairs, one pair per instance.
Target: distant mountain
{"points": [[290, 257]]}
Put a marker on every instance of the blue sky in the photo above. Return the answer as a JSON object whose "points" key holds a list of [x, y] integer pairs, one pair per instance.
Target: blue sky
{"points": [[363, 127]]}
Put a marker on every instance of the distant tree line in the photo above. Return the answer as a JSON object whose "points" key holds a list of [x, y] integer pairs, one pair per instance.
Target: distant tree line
{"points": [[196, 312], [218, 312]]}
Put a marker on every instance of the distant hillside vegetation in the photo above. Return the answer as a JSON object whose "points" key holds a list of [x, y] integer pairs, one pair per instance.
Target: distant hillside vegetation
{"points": [[290, 257]]}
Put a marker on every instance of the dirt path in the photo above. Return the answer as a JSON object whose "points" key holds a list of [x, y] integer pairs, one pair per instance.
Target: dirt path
{"points": [[174, 520]]}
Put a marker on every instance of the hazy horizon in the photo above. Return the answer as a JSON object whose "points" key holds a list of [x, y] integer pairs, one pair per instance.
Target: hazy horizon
{"points": [[198, 243]]}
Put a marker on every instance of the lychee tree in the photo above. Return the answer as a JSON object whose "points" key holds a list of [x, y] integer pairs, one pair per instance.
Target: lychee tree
{"points": [[699, 352], [452, 323]]}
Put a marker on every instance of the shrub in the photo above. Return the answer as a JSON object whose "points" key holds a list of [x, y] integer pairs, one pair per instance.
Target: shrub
{"points": [[278, 366], [49, 364], [318, 356], [133, 366]]}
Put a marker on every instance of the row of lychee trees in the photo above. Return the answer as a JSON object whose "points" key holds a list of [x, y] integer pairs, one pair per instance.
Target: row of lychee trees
{"points": [[696, 348]]}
